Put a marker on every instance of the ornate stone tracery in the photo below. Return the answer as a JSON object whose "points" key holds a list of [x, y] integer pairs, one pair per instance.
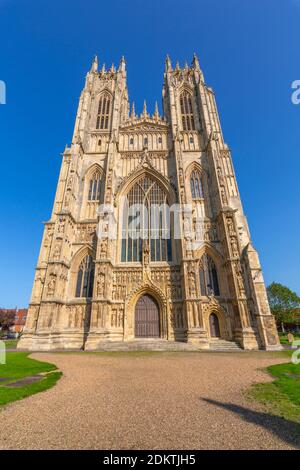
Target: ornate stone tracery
{"points": [[184, 156]]}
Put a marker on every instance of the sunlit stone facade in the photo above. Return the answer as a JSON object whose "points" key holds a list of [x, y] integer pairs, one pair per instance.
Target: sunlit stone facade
{"points": [[90, 290]]}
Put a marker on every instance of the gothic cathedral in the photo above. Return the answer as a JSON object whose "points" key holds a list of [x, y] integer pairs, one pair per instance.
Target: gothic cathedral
{"points": [[193, 277]]}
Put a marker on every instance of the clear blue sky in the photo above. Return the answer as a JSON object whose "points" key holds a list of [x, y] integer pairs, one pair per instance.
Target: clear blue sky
{"points": [[249, 52]]}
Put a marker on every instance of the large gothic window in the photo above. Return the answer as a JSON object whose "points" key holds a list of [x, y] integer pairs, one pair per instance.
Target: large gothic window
{"points": [[209, 282], [196, 185], [94, 187], [146, 223], [85, 278], [188, 123], [104, 111]]}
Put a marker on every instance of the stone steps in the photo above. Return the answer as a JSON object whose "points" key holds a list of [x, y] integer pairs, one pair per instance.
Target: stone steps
{"points": [[164, 345], [223, 345], [151, 345]]}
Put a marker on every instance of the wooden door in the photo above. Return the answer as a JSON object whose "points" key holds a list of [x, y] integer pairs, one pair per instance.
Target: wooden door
{"points": [[214, 326], [147, 318]]}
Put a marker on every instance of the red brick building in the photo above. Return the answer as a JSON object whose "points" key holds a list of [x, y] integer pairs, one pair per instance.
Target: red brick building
{"points": [[20, 316]]}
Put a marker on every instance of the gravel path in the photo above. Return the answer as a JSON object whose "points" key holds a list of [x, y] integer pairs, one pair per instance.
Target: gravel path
{"points": [[160, 401]]}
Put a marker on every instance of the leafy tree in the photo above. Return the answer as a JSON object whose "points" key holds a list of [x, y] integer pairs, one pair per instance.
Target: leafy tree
{"points": [[283, 303], [7, 319]]}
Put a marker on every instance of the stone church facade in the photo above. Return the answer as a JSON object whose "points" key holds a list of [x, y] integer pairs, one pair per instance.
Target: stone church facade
{"points": [[92, 288]]}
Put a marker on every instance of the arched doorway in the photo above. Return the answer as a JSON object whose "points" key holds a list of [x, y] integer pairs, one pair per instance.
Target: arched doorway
{"points": [[147, 318], [214, 326]]}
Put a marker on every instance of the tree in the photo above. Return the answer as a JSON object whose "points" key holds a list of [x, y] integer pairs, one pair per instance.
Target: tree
{"points": [[7, 319], [283, 303]]}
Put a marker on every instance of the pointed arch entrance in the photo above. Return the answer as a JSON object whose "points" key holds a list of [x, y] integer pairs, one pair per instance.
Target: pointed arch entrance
{"points": [[147, 321], [214, 326]]}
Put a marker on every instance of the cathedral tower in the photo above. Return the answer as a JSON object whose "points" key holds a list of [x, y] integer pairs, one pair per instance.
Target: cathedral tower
{"points": [[147, 237]]}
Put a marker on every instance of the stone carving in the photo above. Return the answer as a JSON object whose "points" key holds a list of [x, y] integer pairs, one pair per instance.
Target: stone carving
{"points": [[127, 149], [234, 247], [57, 250], [223, 194], [75, 316], [103, 248], [177, 317], [100, 285], [146, 253], [192, 283], [39, 283], [230, 226], [51, 285], [85, 233], [239, 278], [61, 225], [117, 316]]}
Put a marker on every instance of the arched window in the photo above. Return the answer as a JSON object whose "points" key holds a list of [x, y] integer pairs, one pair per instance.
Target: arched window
{"points": [[196, 185], [85, 278], [146, 223], [104, 111], [94, 187], [209, 283], [188, 123]]}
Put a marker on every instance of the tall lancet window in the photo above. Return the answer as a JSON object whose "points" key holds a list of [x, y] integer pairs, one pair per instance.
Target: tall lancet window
{"points": [[188, 123], [85, 278], [146, 223], [104, 112], [94, 187], [209, 283], [196, 185]]}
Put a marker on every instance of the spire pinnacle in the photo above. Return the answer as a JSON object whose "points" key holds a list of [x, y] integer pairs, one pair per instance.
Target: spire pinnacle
{"points": [[177, 65], [103, 70], [168, 64], [195, 62], [112, 69], [122, 65], [133, 111], [94, 67], [145, 109], [156, 114]]}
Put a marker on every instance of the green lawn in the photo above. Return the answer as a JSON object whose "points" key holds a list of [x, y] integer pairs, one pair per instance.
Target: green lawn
{"points": [[19, 365], [284, 340], [10, 343], [281, 397]]}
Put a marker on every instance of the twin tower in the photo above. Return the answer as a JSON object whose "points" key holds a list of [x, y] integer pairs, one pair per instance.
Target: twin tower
{"points": [[189, 275]]}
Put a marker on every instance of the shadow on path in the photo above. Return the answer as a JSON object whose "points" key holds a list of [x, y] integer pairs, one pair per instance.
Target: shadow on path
{"points": [[286, 430]]}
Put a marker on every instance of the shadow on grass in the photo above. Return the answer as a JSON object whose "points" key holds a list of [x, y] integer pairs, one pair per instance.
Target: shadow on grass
{"points": [[287, 431]]}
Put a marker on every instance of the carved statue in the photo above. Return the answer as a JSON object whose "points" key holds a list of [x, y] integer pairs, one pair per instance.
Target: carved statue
{"points": [[100, 285], [56, 252], [146, 253], [234, 247], [51, 285]]}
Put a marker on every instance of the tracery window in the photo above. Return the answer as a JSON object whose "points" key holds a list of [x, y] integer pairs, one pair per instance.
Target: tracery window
{"points": [[188, 123], [104, 111], [196, 185], [149, 226], [209, 283], [85, 278], [94, 187]]}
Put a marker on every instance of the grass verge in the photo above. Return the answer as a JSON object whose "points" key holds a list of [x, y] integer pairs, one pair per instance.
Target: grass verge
{"points": [[19, 365], [284, 340], [281, 397], [10, 343]]}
